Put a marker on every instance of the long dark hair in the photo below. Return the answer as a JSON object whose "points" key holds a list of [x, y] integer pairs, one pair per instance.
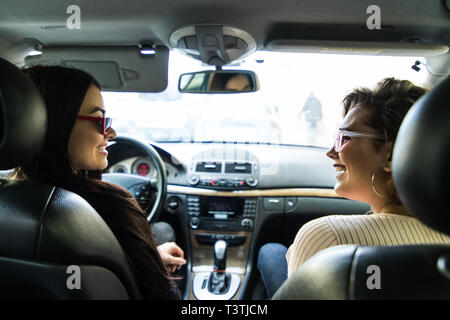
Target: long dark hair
{"points": [[63, 90]]}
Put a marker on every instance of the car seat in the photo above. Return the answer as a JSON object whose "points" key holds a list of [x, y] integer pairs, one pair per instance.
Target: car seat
{"points": [[53, 244]]}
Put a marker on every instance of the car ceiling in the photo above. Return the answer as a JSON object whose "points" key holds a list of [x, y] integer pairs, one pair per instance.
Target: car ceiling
{"points": [[128, 22]]}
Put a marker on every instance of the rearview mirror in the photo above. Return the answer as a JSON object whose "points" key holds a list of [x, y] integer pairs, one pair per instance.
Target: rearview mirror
{"points": [[221, 81]]}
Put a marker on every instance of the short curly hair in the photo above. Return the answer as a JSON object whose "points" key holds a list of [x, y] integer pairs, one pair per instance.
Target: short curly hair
{"points": [[389, 102]]}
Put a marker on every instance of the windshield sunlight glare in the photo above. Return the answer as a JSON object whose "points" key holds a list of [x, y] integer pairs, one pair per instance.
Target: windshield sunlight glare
{"points": [[299, 101]]}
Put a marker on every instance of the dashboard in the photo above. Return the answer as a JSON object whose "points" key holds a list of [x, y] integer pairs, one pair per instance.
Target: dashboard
{"points": [[232, 166], [245, 194], [141, 166]]}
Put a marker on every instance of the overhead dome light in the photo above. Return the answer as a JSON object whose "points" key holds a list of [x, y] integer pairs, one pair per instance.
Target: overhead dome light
{"points": [[147, 49], [215, 45], [34, 53]]}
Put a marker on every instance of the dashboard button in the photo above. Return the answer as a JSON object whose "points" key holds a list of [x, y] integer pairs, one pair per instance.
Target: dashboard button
{"points": [[193, 180], [194, 223], [173, 203], [290, 203], [273, 204], [247, 223], [252, 182]]}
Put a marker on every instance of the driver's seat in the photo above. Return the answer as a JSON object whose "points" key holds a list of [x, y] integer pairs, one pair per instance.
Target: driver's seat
{"points": [[422, 175], [53, 244]]}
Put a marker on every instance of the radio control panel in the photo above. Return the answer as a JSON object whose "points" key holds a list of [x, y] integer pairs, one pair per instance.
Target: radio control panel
{"points": [[224, 175], [221, 214]]}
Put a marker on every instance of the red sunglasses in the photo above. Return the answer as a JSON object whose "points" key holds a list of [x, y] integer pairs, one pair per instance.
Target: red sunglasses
{"points": [[105, 122]]}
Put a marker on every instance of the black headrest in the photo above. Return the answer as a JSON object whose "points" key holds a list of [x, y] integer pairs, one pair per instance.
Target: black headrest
{"points": [[421, 158], [23, 117]]}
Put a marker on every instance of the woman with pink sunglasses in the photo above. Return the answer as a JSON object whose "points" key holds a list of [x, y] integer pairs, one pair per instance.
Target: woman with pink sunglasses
{"points": [[362, 157]]}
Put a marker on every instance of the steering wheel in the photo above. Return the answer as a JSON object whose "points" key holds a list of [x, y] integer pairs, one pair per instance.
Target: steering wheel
{"points": [[150, 193]]}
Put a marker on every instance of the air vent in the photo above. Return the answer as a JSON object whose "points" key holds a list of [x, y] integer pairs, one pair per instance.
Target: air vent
{"points": [[238, 168], [208, 167]]}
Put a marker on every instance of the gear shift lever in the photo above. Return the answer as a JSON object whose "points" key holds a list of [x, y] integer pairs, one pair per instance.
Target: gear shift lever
{"points": [[219, 280], [220, 256]]}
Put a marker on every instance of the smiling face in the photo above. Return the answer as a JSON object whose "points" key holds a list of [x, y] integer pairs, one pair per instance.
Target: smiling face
{"points": [[86, 142], [359, 159]]}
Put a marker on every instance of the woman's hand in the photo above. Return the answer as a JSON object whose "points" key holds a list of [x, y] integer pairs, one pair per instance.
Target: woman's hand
{"points": [[172, 256]]}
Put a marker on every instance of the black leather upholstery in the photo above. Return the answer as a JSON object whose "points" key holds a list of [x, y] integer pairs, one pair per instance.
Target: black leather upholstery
{"points": [[421, 159], [324, 276], [45, 229], [342, 272], [422, 176], [23, 117]]}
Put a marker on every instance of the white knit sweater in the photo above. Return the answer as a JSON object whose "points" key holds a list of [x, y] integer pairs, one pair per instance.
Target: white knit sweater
{"points": [[380, 229]]}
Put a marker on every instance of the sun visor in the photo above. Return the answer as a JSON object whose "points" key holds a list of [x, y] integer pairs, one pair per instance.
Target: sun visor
{"points": [[358, 47], [122, 68]]}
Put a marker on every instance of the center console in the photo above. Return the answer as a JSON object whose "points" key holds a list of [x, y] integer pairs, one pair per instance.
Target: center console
{"points": [[212, 219], [215, 213]]}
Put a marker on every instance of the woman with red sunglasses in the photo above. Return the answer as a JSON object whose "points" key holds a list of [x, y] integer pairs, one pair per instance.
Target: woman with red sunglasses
{"points": [[73, 157], [362, 157], [90, 134]]}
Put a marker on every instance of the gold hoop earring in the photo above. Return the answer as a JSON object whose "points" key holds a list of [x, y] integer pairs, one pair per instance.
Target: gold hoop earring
{"points": [[373, 185]]}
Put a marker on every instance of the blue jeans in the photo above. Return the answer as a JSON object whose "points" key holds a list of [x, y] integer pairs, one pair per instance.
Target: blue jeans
{"points": [[272, 266]]}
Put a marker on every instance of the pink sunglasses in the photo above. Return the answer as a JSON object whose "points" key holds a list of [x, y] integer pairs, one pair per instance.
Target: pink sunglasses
{"points": [[341, 134]]}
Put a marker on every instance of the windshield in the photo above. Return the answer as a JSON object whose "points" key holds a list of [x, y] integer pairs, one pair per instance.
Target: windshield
{"points": [[299, 101]]}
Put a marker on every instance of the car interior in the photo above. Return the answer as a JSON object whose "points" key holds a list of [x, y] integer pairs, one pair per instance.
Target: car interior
{"points": [[224, 112]]}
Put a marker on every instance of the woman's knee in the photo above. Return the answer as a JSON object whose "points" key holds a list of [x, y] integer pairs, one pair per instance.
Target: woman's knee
{"points": [[271, 253]]}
